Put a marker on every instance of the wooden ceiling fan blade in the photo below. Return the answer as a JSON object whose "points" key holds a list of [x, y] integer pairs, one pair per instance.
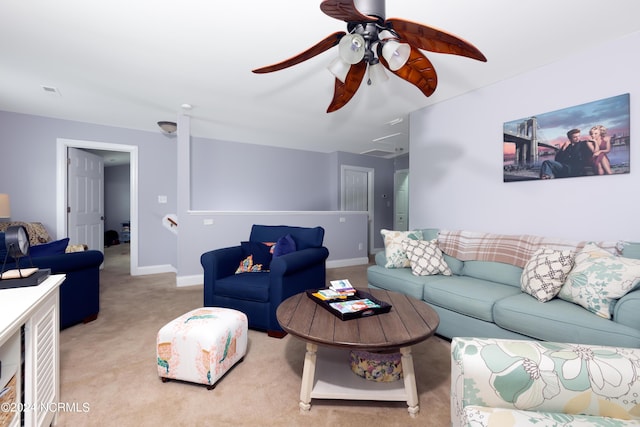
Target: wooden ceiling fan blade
{"points": [[418, 71], [323, 45], [432, 39], [344, 10], [343, 92]]}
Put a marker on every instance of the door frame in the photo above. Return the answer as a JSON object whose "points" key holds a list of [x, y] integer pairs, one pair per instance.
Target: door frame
{"points": [[61, 187], [395, 200], [370, 198]]}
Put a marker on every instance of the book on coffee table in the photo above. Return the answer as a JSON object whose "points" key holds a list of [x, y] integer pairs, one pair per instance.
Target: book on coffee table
{"points": [[360, 304], [354, 306]]}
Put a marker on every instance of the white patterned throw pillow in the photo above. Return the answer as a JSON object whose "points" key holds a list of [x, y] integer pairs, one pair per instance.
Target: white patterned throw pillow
{"points": [[396, 255], [545, 273], [599, 278], [425, 258]]}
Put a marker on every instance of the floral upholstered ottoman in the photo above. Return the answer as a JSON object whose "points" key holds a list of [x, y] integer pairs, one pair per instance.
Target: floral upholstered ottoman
{"points": [[202, 345]]}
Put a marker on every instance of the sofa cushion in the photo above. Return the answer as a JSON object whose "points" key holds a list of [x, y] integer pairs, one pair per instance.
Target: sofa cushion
{"points": [[467, 295], [395, 253], [425, 258], [493, 271], [245, 286], [598, 279], [398, 280], [57, 247], [631, 250], [545, 273], [561, 321]]}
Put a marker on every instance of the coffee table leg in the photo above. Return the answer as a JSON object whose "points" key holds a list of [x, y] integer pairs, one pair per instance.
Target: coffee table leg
{"points": [[409, 375], [308, 374]]}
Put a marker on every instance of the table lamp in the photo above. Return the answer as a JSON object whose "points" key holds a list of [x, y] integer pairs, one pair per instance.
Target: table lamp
{"points": [[5, 207]]}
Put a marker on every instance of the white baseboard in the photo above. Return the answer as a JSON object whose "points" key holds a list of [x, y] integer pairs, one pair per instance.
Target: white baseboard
{"points": [[198, 279], [195, 280], [347, 262], [154, 269]]}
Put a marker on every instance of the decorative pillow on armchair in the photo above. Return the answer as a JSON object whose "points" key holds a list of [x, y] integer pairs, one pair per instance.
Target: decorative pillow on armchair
{"points": [[599, 278], [425, 257], [393, 250], [283, 246], [545, 273], [257, 257]]}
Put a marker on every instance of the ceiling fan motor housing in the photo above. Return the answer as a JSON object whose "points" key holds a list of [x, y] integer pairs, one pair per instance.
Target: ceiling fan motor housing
{"points": [[371, 7]]}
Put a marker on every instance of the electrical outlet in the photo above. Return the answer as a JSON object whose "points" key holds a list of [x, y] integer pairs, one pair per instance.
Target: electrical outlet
{"points": [[208, 221]]}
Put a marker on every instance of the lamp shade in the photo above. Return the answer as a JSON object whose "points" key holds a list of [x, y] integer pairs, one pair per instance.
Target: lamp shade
{"points": [[377, 74], [396, 54], [5, 207], [339, 69], [351, 48]]}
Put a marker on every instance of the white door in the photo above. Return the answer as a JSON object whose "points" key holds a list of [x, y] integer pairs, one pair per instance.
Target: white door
{"points": [[85, 210], [357, 194], [401, 200]]}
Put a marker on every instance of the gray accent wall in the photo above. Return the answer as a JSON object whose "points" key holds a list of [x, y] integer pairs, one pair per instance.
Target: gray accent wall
{"points": [[456, 155], [232, 184]]}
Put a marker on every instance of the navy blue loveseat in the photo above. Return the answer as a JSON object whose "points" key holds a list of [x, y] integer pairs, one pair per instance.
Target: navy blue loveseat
{"points": [[80, 292], [258, 294]]}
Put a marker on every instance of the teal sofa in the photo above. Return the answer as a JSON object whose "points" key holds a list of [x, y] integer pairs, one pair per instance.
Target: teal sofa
{"points": [[484, 299]]}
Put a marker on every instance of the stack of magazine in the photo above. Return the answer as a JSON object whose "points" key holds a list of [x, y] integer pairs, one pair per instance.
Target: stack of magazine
{"points": [[344, 289]]}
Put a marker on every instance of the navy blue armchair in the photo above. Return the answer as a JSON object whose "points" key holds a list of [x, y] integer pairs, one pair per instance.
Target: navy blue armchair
{"points": [[258, 294]]}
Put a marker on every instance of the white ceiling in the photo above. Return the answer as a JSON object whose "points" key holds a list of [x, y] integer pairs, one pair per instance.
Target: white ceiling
{"points": [[131, 63]]}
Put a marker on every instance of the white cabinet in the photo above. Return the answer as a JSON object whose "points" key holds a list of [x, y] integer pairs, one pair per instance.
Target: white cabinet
{"points": [[36, 309]]}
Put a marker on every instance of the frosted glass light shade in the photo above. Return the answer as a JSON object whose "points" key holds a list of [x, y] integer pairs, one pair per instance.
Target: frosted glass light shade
{"points": [[377, 74], [351, 48], [168, 127], [396, 54], [339, 69]]}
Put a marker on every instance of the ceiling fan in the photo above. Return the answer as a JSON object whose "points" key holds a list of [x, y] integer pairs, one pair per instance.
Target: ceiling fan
{"points": [[374, 41]]}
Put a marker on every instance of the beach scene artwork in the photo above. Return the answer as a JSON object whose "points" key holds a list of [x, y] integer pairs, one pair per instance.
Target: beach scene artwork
{"points": [[540, 146]]}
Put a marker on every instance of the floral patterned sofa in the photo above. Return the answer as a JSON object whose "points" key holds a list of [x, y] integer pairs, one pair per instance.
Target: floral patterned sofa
{"points": [[501, 382]]}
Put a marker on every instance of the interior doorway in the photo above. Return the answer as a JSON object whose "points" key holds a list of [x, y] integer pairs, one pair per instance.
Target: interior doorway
{"points": [[62, 184], [357, 190], [401, 200]]}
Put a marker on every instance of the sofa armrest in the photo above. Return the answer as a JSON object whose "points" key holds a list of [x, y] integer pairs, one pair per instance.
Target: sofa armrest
{"points": [[217, 264], [626, 310], [543, 377], [381, 258], [68, 262], [298, 260]]}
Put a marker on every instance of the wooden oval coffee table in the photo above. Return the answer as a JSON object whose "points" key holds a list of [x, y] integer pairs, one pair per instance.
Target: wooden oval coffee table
{"points": [[409, 322]]}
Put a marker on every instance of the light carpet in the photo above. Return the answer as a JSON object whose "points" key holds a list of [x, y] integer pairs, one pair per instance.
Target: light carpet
{"points": [[109, 377]]}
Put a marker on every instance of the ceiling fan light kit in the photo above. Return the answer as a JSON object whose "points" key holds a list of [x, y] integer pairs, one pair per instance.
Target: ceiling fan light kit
{"points": [[339, 69], [377, 74], [373, 40]]}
